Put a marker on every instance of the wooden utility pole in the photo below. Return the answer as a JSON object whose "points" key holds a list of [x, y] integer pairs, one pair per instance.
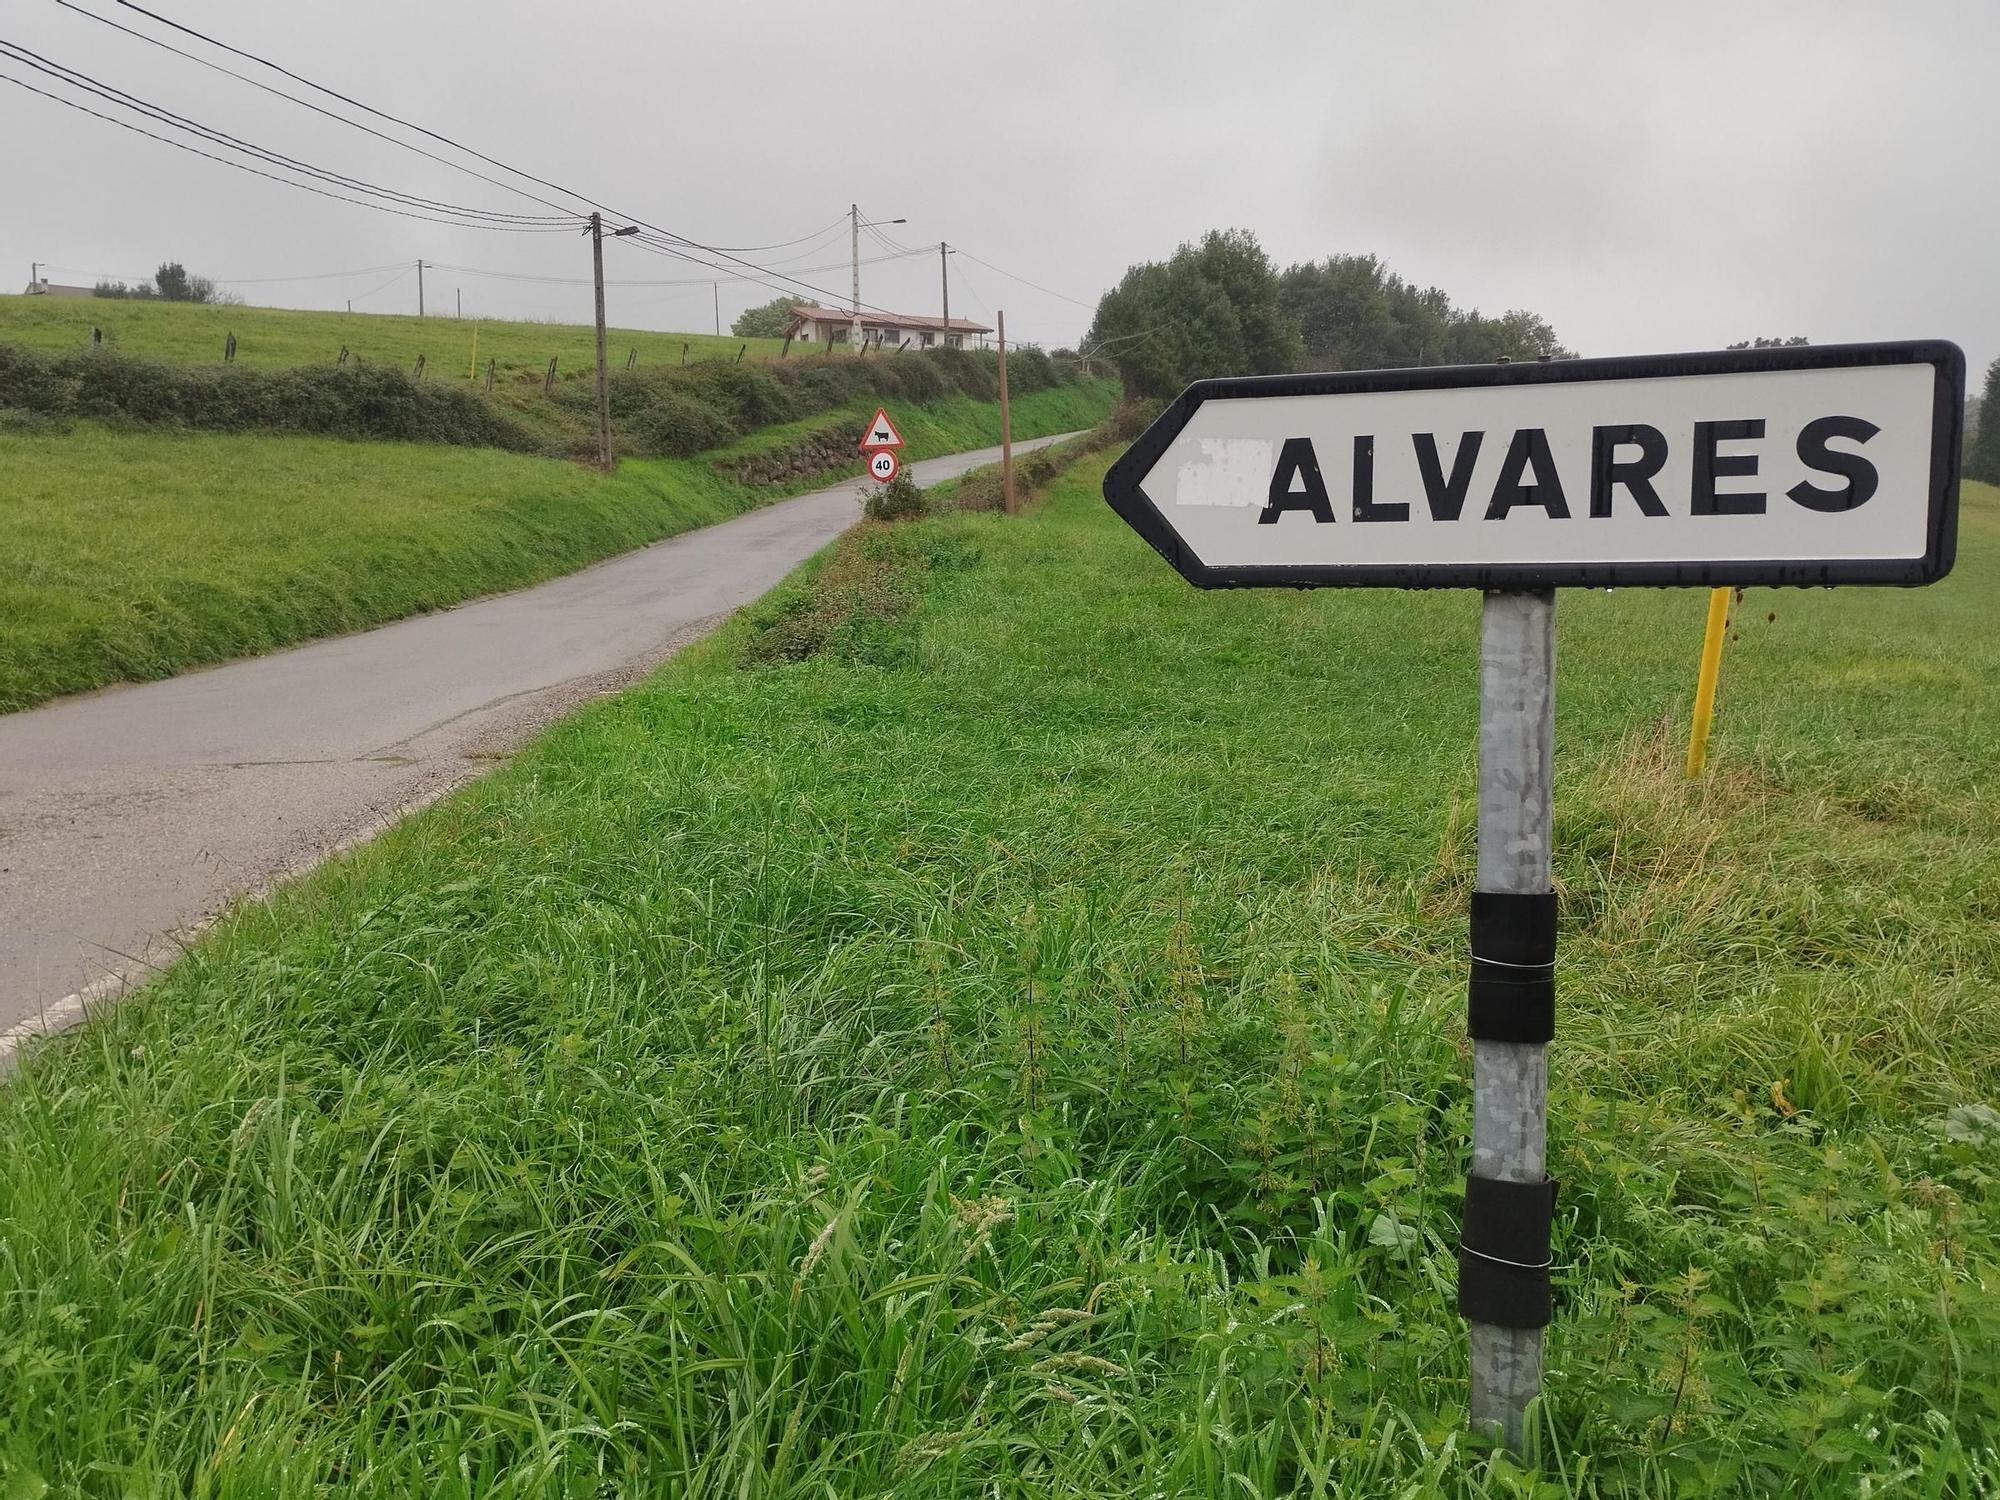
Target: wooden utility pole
{"points": [[944, 281], [1006, 424], [603, 377], [420, 289], [716, 287]]}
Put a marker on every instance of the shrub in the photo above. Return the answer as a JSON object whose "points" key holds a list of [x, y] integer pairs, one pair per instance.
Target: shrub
{"points": [[1030, 370], [898, 500], [748, 394], [833, 380], [677, 425], [921, 379], [975, 374]]}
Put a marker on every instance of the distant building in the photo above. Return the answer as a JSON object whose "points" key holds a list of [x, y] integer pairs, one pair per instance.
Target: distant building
{"points": [[830, 325], [47, 288]]}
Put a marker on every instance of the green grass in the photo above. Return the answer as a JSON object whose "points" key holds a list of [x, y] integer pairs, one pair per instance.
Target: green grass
{"points": [[128, 555], [185, 332], [1017, 1050]]}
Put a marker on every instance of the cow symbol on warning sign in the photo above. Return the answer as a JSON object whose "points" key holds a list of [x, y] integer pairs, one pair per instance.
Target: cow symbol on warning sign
{"points": [[881, 433]]}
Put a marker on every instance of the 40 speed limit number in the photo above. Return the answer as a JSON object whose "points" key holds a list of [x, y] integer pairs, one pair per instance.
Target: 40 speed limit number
{"points": [[883, 465]]}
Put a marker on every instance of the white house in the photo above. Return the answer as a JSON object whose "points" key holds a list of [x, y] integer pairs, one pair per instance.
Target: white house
{"points": [[831, 325], [47, 288]]}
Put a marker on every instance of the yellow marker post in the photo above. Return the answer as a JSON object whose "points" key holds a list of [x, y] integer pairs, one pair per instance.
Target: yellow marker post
{"points": [[1704, 690]]}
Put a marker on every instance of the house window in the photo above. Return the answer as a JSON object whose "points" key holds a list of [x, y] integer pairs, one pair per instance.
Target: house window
{"points": [[929, 339]]}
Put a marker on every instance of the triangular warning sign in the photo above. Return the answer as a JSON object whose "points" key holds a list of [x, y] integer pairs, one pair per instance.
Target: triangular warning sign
{"points": [[881, 432]]}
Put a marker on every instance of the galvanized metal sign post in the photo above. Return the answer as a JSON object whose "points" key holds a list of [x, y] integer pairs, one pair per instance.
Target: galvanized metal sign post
{"points": [[1795, 466]]}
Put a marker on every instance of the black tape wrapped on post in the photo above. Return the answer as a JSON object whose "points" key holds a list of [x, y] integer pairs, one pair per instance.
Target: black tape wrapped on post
{"points": [[1512, 993], [1503, 1252]]}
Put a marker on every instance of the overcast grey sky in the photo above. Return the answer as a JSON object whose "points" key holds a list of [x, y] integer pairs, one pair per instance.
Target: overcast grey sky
{"points": [[1648, 177]]}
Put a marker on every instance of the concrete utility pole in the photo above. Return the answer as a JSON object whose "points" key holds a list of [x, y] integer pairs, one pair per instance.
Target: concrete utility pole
{"points": [[854, 234], [603, 379], [1517, 671], [420, 289], [716, 287], [1006, 425], [944, 281]]}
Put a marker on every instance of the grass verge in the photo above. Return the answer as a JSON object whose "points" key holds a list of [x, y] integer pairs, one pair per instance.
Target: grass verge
{"points": [[131, 555], [1017, 1050]]}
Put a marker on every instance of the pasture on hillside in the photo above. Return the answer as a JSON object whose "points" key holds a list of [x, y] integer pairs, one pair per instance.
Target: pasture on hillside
{"points": [[194, 333], [1008, 1040], [133, 554]]}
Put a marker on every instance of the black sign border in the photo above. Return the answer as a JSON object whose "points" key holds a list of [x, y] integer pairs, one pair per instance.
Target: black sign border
{"points": [[1125, 494]]}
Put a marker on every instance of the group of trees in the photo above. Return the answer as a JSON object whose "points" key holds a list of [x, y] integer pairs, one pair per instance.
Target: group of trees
{"points": [[1219, 307], [171, 283], [1982, 431]]}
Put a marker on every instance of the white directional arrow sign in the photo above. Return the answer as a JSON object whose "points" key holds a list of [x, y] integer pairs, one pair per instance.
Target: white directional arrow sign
{"points": [[1760, 466]]}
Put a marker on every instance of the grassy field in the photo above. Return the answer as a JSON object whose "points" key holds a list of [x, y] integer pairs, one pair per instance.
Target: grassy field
{"points": [[1017, 1050], [187, 332], [127, 555]]}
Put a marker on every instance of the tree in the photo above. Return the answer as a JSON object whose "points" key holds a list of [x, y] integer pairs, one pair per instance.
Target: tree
{"points": [[175, 285], [772, 320], [1354, 313], [1213, 309], [1982, 459], [1771, 343]]}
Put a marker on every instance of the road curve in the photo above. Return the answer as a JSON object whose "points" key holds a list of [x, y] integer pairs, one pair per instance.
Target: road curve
{"points": [[131, 816]]}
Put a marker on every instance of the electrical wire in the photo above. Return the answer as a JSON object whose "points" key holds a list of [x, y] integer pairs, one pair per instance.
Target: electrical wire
{"points": [[1024, 280], [318, 276], [271, 176], [96, 87], [625, 281], [668, 242], [305, 103], [384, 286]]}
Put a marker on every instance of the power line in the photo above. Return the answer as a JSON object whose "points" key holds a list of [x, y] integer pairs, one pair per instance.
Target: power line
{"points": [[317, 276], [306, 104], [96, 87], [632, 281], [1023, 280], [782, 244], [369, 129], [271, 176], [384, 286], [668, 242]]}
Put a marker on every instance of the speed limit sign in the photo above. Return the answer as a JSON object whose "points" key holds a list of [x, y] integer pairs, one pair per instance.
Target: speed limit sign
{"points": [[882, 465]]}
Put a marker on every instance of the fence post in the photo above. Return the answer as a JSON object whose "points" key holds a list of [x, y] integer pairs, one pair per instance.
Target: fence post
{"points": [[418, 372], [229, 349], [489, 377], [549, 380]]}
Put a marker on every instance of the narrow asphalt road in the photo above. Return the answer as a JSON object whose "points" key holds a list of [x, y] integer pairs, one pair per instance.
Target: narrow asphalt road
{"points": [[131, 816]]}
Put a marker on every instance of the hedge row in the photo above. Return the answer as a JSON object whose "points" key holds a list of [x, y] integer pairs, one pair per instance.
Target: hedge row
{"points": [[679, 411], [665, 413], [362, 401]]}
